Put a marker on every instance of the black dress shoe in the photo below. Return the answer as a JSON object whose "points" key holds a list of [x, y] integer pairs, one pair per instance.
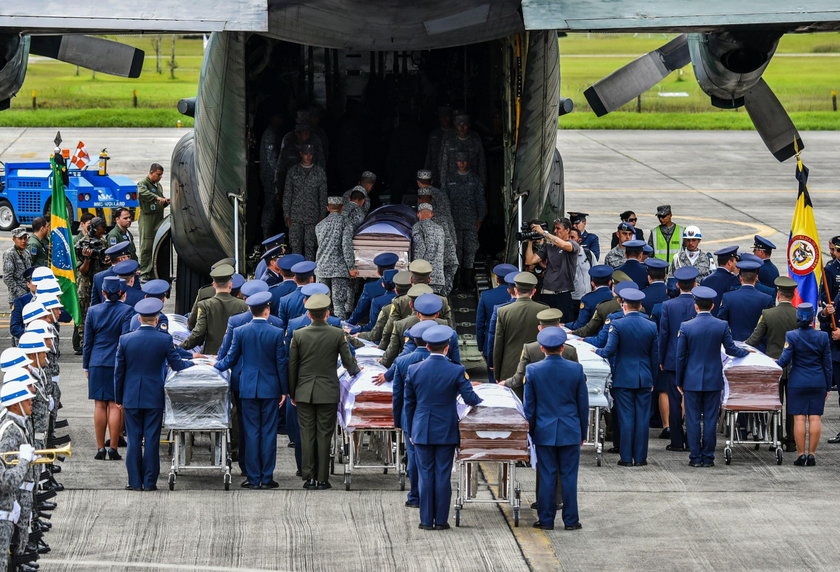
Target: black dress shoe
{"points": [[100, 454], [801, 460], [835, 439], [624, 464], [323, 485], [270, 485], [576, 526], [122, 442], [613, 450], [811, 461], [246, 484], [151, 488], [666, 433], [114, 455], [411, 504], [695, 465], [291, 445], [77, 352], [640, 464], [310, 484], [672, 448], [425, 527], [298, 473], [709, 464], [444, 526], [130, 488], [543, 526]]}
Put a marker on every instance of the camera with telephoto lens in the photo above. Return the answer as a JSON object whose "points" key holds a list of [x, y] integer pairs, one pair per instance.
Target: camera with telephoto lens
{"points": [[97, 245], [526, 234]]}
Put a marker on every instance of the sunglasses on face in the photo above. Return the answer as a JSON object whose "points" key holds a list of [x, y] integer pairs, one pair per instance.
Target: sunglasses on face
{"points": [[631, 220]]}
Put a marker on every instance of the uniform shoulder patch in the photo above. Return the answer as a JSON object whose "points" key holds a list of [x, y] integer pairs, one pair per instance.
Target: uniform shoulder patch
{"points": [[33, 251], [612, 328], [787, 344], [113, 240], [607, 321], [163, 326], [582, 305]]}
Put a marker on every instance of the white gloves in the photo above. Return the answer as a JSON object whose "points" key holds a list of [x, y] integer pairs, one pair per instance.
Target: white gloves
{"points": [[26, 453]]}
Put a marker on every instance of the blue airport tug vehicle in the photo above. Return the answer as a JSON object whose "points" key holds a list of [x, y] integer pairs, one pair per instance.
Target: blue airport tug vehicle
{"points": [[26, 192]]}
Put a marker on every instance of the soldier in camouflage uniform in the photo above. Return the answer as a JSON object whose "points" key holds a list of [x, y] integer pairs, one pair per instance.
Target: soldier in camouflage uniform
{"points": [[616, 256], [16, 481], [152, 203], [426, 193], [354, 207], [39, 242], [90, 258], [121, 233], [34, 346], [469, 207], [289, 155], [15, 261], [691, 255], [466, 141], [436, 139], [335, 257], [429, 243], [304, 202]]}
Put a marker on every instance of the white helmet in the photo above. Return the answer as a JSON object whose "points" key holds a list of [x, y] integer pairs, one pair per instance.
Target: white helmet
{"points": [[47, 286], [49, 301], [13, 358], [18, 374], [40, 327], [692, 231], [32, 343], [15, 391], [42, 273], [33, 311]]}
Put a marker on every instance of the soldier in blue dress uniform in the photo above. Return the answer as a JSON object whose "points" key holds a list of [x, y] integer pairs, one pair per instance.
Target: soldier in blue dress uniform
{"points": [[117, 253], [600, 276], [768, 272], [557, 409], [127, 271], [656, 291], [832, 271], [491, 327], [487, 300], [431, 389], [633, 265], [286, 284], [725, 277], [373, 289], [291, 305], [587, 239], [379, 302], [154, 289], [138, 390], [742, 308], [269, 244], [700, 374]]}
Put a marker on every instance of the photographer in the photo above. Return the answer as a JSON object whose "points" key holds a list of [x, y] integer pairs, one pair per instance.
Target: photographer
{"points": [[559, 256], [90, 257]]}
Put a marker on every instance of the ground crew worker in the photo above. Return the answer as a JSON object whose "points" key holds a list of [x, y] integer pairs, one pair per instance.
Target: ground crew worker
{"points": [[15, 262], [742, 308], [768, 272], [314, 388], [429, 243], [431, 389], [769, 337], [304, 202], [213, 314], [121, 233], [374, 288], [469, 207], [516, 325], [39, 242], [667, 237], [725, 277], [336, 258], [587, 239], [462, 140], [699, 374], [615, 257], [691, 255], [557, 409], [262, 389], [152, 203], [138, 390]]}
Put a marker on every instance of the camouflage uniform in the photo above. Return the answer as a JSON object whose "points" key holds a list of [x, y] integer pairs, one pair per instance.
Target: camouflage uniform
{"points": [[335, 259], [353, 213], [304, 202], [615, 257], [705, 263], [16, 483], [116, 236], [53, 371], [433, 151], [375, 334], [289, 155], [149, 220], [348, 192], [15, 261], [429, 243], [466, 197], [269, 154], [472, 146], [84, 285], [41, 406], [39, 250]]}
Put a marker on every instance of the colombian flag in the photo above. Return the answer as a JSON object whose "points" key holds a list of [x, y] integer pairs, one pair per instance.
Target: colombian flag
{"points": [[803, 252], [63, 256]]}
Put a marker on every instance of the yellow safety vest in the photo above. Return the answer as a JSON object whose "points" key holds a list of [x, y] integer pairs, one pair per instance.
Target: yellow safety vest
{"points": [[666, 250]]}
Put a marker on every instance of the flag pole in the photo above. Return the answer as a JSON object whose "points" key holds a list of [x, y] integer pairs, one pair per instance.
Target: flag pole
{"points": [[827, 294]]}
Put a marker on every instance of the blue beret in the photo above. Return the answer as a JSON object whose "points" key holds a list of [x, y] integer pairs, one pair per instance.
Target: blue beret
{"points": [[438, 334], [686, 273], [748, 265], [804, 312], [633, 243], [258, 299], [111, 284], [237, 280], [149, 306], [704, 293], [428, 304], [510, 277], [751, 258], [275, 240], [417, 330], [27, 274], [251, 287], [502, 270], [763, 243], [155, 287], [126, 267], [272, 253], [632, 295], [388, 275], [305, 267], [118, 249], [656, 263], [386, 259], [626, 227], [733, 250], [647, 249], [622, 285], [601, 271], [552, 337], [286, 262], [314, 288]]}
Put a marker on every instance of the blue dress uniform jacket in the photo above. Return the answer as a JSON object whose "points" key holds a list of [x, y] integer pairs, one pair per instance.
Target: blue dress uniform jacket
{"points": [[832, 277], [557, 408], [16, 325], [632, 341], [590, 241], [104, 325], [698, 353], [279, 290], [655, 293], [599, 340], [809, 354], [370, 291], [491, 331], [132, 296], [488, 300], [259, 345], [234, 322], [674, 313], [453, 354], [375, 307], [162, 325], [587, 306], [721, 281], [768, 273], [742, 309], [96, 290], [271, 278], [637, 272], [398, 373], [291, 306]]}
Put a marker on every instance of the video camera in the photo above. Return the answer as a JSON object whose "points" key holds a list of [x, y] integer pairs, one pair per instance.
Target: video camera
{"points": [[97, 245], [526, 234]]}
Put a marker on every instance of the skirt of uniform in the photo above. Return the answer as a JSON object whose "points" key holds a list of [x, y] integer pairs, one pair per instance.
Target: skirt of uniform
{"points": [[806, 400], [101, 383]]}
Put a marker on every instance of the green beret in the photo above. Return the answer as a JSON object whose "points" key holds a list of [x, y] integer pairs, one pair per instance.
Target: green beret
{"points": [[222, 273], [785, 283], [402, 278], [525, 280], [549, 316], [420, 267], [419, 290], [317, 302]]}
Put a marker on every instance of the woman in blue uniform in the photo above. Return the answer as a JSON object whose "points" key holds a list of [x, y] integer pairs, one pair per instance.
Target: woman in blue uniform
{"points": [[104, 325], [808, 353]]}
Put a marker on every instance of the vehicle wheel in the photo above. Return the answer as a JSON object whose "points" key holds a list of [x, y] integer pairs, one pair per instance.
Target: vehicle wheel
{"points": [[727, 456], [71, 212], [171, 481], [779, 456], [8, 220]]}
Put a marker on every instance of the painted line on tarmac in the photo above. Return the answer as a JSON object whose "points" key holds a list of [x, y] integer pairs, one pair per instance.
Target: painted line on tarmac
{"points": [[705, 191], [121, 565]]}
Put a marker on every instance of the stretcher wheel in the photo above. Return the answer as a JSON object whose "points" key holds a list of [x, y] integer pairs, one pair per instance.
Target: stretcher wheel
{"points": [[779, 456], [384, 471], [516, 517], [402, 481], [332, 465], [727, 456], [227, 481], [171, 481], [457, 516], [598, 458], [347, 480]]}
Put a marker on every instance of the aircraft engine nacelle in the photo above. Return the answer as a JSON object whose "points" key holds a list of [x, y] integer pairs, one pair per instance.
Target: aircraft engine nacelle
{"points": [[729, 64], [14, 53]]}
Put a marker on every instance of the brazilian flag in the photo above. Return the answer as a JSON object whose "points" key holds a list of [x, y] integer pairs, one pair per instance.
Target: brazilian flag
{"points": [[63, 256]]}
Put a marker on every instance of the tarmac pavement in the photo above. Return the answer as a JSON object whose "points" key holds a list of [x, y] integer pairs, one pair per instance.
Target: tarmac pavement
{"points": [[751, 515]]}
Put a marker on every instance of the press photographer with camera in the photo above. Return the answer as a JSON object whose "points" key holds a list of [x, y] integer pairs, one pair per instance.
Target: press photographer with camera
{"points": [[90, 258], [558, 255]]}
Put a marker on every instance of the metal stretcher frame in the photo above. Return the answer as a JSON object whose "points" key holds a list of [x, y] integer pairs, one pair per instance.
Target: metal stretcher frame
{"points": [[596, 433], [508, 489], [763, 421], [384, 442], [182, 445]]}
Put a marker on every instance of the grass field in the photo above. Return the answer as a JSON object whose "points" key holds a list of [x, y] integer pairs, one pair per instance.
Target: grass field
{"points": [[803, 75]]}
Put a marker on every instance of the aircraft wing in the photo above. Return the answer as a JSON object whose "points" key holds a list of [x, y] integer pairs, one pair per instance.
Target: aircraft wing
{"points": [[139, 15], [679, 15]]}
